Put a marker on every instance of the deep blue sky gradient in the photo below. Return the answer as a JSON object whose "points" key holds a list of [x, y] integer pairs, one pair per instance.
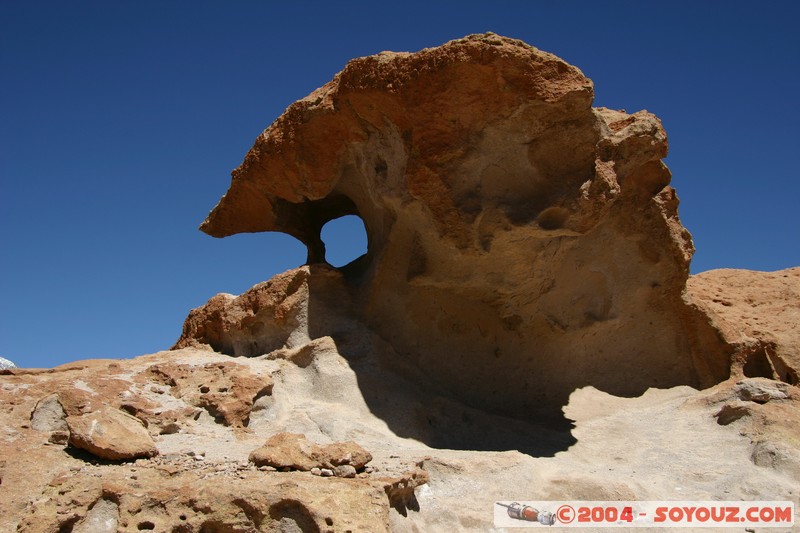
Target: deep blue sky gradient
{"points": [[121, 121]]}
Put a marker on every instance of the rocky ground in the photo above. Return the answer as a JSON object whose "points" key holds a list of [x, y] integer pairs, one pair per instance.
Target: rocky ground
{"points": [[201, 415]]}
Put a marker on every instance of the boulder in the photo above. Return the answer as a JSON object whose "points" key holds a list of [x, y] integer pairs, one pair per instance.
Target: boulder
{"points": [[293, 451], [111, 434], [48, 415], [269, 316], [761, 390]]}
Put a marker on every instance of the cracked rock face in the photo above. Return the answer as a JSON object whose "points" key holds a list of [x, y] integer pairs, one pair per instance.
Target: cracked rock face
{"points": [[521, 243]]}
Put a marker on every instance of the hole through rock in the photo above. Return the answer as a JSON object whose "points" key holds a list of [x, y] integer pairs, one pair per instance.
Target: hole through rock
{"points": [[345, 240]]}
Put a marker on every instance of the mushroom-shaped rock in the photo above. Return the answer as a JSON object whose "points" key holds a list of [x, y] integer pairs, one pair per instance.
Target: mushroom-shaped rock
{"points": [[521, 243]]}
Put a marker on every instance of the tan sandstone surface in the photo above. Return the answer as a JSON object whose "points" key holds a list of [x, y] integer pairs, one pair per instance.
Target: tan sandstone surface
{"points": [[436, 465], [523, 326]]}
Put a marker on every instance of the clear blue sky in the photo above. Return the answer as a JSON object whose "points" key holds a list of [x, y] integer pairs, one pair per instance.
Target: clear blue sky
{"points": [[121, 122]]}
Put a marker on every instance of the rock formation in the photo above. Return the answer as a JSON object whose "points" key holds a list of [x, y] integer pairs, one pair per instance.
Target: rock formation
{"points": [[523, 326], [513, 229], [756, 315]]}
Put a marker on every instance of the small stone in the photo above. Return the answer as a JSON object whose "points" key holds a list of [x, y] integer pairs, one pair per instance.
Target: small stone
{"points": [[316, 471], [170, 429], [732, 412], [170, 470], [760, 391], [326, 472], [344, 471]]}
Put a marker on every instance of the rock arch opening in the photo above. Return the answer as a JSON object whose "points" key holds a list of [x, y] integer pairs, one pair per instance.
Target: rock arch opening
{"points": [[345, 240]]}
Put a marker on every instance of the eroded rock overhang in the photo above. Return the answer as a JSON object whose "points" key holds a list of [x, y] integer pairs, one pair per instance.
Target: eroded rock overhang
{"points": [[521, 243]]}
